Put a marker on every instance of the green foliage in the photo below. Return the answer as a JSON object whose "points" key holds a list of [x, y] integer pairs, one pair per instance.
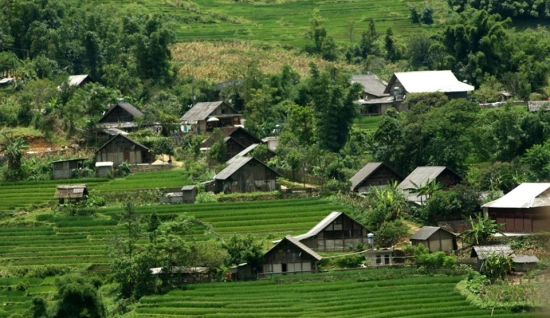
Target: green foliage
{"points": [[206, 197], [390, 233], [415, 17], [350, 261], [77, 297], [244, 249], [482, 230], [12, 148], [530, 9], [386, 204], [218, 149], [476, 282], [496, 266], [435, 260], [124, 169]]}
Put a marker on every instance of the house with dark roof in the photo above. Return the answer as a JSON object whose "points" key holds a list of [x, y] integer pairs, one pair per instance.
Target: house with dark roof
{"points": [[205, 117], [236, 140], [374, 174], [120, 115], [421, 176], [374, 100], [62, 169], [290, 256], [403, 83], [336, 232], [525, 209], [435, 239], [246, 174], [247, 153], [121, 149]]}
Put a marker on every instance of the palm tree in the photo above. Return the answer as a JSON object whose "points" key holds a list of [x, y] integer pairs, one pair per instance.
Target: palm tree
{"points": [[12, 147], [482, 229]]}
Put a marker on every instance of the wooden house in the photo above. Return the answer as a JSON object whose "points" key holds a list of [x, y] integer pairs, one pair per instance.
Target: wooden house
{"points": [[71, 193], [104, 169], [62, 169], [526, 209], [239, 134], [121, 149], [445, 178], [189, 193], [374, 100], [290, 256], [246, 174], [435, 239], [248, 151], [122, 115], [205, 117], [336, 232], [445, 82], [374, 174]]}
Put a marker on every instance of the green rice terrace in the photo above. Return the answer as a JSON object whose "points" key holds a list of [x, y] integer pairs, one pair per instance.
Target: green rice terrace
{"points": [[285, 21]]}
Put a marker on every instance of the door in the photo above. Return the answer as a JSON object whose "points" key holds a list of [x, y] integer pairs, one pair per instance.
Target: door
{"points": [[127, 156]]}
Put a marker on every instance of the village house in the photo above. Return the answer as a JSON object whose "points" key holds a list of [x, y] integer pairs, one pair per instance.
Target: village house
{"points": [[121, 149], [71, 193], [290, 256], [525, 209], [247, 153], [236, 140], [445, 82], [121, 115], [246, 174], [374, 174], [421, 176], [336, 232], [62, 169], [435, 239], [374, 100], [205, 117]]}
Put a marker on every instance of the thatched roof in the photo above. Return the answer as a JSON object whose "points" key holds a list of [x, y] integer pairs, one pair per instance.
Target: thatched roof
{"points": [[71, 191]]}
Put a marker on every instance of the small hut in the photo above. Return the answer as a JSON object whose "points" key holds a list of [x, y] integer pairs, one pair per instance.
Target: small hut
{"points": [[435, 239], [62, 169], [71, 193], [524, 263], [379, 257], [189, 193], [481, 253], [104, 169]]}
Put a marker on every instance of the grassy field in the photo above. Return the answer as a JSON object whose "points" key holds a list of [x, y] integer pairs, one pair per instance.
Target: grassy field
{"points": [[369, 293], [285, 21]]}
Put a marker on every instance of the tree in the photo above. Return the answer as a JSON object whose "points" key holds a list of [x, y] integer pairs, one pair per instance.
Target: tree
{"points": [[130, 220], [427, 16], [386, 204], [12, 148], [333, 107], [317, 33], [482, 229], [415, 17], [244, 249], [77, 297], [392, 52], [496, 266], [391, 233], [218, 149]]}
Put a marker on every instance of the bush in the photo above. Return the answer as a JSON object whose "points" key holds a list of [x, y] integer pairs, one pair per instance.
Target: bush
{"points": [[350, 261], [123, 169], [390, 233], [206, 197]]}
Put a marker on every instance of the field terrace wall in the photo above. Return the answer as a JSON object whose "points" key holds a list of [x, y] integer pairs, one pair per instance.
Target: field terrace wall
{"points": [[336, 232], [290, 256]]}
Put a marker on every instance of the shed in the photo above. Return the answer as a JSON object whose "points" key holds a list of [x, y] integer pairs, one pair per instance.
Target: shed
{"points": [[481, 253], [542, 105], [524, 263], [172, 198], [336, 232], [246, 174], [71, 193], [62, 169], [189, 193], [435, 239], [290, 256], [121, 149], [104, 169], [379, 257], [204, 117], [444, 176], [526, 209], [374, 174], [242, 272]]}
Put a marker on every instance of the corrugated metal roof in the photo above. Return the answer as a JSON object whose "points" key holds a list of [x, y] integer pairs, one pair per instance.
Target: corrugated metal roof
{"points": [[429, 82], [127, 107], [523, 259], [425, 232], [125, 137], [371, 84], [300, 246], [526, 195], [238, 164], [320, 226], [201, 111], [365, 172], [104, 164], [188, 187], [482, 252], [420, 176], [76, 80], [242, 153]]}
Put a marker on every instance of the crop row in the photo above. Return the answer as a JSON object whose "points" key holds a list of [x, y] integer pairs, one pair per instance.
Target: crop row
{"points": [[420, 296]]}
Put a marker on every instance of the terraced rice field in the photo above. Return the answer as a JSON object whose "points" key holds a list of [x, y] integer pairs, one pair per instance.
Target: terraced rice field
{"points": [[83, 240], [336, 296]]}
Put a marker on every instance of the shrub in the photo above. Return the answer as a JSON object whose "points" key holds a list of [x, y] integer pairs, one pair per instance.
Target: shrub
{"points": [[123, 169], [206, 197], [350, 261]]}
